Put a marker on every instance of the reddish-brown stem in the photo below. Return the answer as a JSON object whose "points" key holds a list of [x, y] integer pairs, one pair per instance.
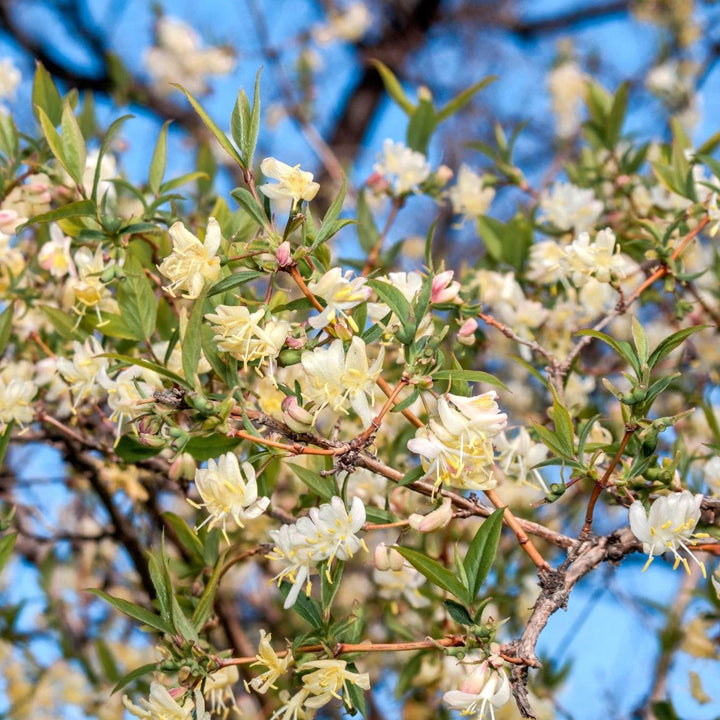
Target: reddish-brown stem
{"points": [[602, 482], [385, 526], [366, 434], [296, 449], [374, 253], [409, 416], [305, 289], [36, 338], [512, 522]]}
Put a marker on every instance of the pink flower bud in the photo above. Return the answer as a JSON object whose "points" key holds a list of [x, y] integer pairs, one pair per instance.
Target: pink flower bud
{"points": [[476, 681], [444, 288], [183, 467], [284, 255], [466, 333], [443, 175], [377, 183], [435, 520], [397, 561], [296, 417], [295, 343]]}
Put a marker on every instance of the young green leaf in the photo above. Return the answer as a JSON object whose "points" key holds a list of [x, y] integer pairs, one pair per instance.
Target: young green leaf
{"points": [[7, 543], [458, 612], [393, 87], [159, 160], [323, 487], [134, 611], [136, 299], [481, 553], [45, 96], [435, 572], [73, 145]]}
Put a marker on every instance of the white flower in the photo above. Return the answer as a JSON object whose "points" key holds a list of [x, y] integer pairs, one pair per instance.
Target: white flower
{"points": [[669, 525], [338, 379], [435, 520], [268, 658], [568, 86], [517, 457], [548, 263], [240, 333], [328, 532], [600, 259], [405, 169], [54, 255], [403, 582], [192, 264], [327, 679], [340, 293], [229, 494], [569, 207], [160, 706], [16, 395], [218, 688], [292, 182], [10, 78], [127, 391], [349, 25], [484, 689], [179, 57], [468, 196], [86, 373], [456, 446], [89, 289]]}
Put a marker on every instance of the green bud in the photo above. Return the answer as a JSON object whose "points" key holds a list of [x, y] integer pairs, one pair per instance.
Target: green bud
{"points": [[289, 357]]}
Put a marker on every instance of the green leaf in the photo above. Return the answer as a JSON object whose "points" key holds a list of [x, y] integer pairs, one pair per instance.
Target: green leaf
{"points": [[159, 160], [7, 543], [53, 138], [133, 675], [6, 318], [564, 430], [412, 475], [185, 534], [251, 136], [458, 612], [481, 553], [420, 128], [616, 117], [63, 323], [395, 300], [379, 515], [5, 440], [235, 280], [182, 180], [73, 145], [210, 446], [220, 136], [207, 599], [463, 98], [136, 299], [45, 96], [251, 205], [134, 611], [491, 232], [435, 572], [393, 87], [81, 208], [159, 369], [323, 487], [368, 235], [307, 608], [328, 227], [552, 441], [640, 340], [161, 583], [470, 376], [355, 696], [9, 141], [670, 343], [192, 341], [130, 450], [621, 347]]}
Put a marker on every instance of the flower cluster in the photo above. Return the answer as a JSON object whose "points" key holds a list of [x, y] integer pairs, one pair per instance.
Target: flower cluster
{"points": [[328, 532], [456, 445]]}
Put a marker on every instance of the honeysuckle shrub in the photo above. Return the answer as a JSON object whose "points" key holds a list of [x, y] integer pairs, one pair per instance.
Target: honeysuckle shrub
{"points": [[288, 476]]}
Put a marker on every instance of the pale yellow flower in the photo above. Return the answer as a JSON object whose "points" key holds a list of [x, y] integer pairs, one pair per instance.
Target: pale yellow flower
{"points": [[292, 182]]}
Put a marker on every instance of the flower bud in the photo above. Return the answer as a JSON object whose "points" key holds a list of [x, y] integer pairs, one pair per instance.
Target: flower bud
{"points": [[397, 561], [377, 183], [424, 94], [381, 557], [295, 343], [284, 255], [466, 333], [476, 681], [443, 175], [444, 288], [435, 520], [295, 416], [183, 468]]}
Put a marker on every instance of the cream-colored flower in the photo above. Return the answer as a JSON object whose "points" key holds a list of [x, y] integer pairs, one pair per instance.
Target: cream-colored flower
{"points": [[192, 264], [10, 78], [86, 373], [127, 391], [327, 679], [160, 705], [17, 392], [54, 255], [275, 665], [669, 525], [402, 167], [340, 293], [600, 259], [241, 334], [484, 689], [219, 689], [337, 379], [89, 289], [568, 87], [349, 25], [228, 494], [468, 196], [569, 207], [292, 182]]}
